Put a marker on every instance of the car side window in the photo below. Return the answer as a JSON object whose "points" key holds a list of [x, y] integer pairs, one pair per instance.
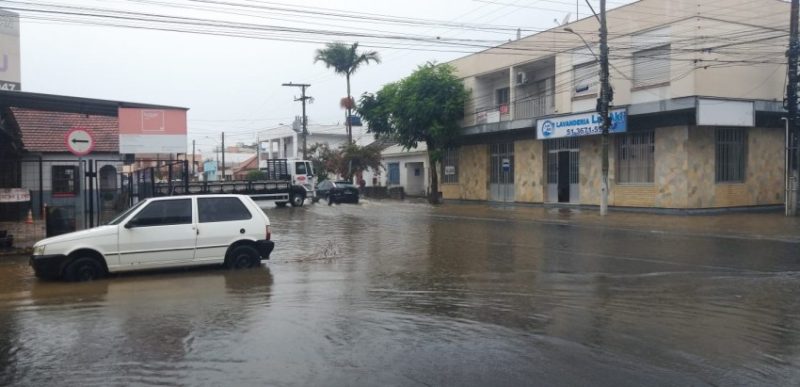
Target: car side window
{"points": [[300, 169], [164, 213], [221, 210], [324, 185]]}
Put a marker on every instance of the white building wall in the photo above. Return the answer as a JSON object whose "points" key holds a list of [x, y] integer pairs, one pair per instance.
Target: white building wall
{"points": [[406, 163]]}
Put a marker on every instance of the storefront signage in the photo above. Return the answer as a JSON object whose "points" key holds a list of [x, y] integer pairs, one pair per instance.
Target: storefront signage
{"points": [[152, 130], [585, 124], [14, 195], [9, 52], [449, 170]]}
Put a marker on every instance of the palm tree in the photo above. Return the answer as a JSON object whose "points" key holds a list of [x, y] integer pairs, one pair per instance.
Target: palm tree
{"points": [[345, 60]]}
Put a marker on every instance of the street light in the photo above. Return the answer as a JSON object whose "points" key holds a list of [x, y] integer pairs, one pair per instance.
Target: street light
{"points": [[570, 30]]}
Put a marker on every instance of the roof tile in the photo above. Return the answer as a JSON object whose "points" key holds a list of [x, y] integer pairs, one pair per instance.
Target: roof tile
{"points": [[44, 131]]}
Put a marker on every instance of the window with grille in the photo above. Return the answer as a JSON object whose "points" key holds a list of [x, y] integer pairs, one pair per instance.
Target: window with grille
{"points": [[585, 78], [66, 181], [731, 155], [636, 158], [450, 166], [394, 174], [651, 66]]}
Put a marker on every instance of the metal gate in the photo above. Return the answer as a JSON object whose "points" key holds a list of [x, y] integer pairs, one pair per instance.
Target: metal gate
{"points": [[501, 176], [563, 155]]}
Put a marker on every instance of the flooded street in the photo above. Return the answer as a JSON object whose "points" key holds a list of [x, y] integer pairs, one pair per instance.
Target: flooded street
{"points": [[388, 293]]}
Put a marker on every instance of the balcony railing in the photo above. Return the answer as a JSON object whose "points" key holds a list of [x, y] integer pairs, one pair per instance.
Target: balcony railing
{"points": [[531, 108]]}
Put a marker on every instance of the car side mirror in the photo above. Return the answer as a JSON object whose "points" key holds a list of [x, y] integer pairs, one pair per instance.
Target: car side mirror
{"points": [[130, 224]]}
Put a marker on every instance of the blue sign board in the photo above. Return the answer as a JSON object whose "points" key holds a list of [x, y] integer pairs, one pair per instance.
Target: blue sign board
{"points": [[585, 124]]}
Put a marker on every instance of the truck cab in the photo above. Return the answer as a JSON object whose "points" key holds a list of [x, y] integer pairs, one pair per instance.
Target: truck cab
{"points": [[300, 174]]}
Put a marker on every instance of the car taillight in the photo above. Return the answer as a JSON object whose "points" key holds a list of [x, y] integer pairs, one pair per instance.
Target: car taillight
{"points": [[269, 233]]}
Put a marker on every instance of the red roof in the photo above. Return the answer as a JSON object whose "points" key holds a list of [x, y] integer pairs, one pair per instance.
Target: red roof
{"points": [[44, 131]]}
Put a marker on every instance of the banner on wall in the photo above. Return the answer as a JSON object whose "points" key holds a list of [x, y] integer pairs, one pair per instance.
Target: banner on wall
{"points": [[152, 130]]}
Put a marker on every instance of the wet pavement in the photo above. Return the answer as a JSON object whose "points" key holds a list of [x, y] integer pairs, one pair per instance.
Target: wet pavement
{"points": [[388, 293]]}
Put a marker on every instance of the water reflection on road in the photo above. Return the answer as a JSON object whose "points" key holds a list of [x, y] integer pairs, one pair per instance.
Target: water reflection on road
{"points": [[405, 294]]}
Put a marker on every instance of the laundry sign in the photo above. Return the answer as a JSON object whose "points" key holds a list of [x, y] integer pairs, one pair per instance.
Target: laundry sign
{"points": [[585, 124], [14, 195]]}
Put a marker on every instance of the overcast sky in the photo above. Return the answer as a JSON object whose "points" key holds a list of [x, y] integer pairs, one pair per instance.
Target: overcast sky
{"points": [[233, 84]]}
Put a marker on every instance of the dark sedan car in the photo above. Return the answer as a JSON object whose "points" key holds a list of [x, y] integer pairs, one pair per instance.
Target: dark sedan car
{"points": [[337, 192]]}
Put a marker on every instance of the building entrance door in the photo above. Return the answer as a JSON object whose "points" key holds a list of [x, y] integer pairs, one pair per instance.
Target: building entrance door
{"points": [[562, 170], [501, 179], [563, 177]]}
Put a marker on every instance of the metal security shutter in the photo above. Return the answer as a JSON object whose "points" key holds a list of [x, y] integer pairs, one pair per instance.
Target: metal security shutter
{"points": [[651, 67]]}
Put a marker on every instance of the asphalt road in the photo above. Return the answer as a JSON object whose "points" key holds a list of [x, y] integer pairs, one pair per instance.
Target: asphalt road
{"points": [[388, 293]]}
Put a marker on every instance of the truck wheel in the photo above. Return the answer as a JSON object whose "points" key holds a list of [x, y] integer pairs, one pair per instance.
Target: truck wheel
{"points": [[83, 269], [297, 199], [242, 257]]}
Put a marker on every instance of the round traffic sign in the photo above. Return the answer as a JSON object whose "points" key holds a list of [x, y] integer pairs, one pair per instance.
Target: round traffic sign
{"points": [[80, 141]]}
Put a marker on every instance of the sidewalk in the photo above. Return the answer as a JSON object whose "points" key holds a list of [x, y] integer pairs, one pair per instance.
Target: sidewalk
{"points": [[754, 225]]}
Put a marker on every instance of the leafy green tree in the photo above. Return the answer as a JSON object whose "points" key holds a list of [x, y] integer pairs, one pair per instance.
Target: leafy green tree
{"points": [[325, 160], [345, 60], [426, 106], [358, 159], [346, 161]]}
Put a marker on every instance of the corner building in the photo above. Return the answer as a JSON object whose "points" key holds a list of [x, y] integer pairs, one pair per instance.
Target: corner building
{"points": [[697, 110]]}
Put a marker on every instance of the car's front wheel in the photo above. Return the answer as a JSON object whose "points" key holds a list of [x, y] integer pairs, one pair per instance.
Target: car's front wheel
{"points": [[83, 269], [242, 257]]}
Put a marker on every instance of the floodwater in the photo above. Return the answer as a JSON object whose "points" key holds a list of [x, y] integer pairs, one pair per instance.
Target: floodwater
{"points": [[388, 293]]}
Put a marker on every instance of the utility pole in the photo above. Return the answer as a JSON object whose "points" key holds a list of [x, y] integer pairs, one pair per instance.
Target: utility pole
{"points": [[223, 156], [792, 149], [193, 158], [258, 153], [302, 99], [602, 106]]}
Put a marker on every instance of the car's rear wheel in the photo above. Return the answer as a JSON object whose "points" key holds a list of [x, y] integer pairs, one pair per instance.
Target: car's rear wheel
{"points": [[83, 269], [330, 200], [242, 257]]}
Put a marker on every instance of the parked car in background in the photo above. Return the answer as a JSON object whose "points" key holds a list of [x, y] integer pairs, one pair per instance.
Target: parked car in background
{"points": [[337, 192], [158, 233]]}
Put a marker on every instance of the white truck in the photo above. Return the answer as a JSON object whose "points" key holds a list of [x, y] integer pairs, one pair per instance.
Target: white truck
{"points": [[285, 182], [300, 174]]}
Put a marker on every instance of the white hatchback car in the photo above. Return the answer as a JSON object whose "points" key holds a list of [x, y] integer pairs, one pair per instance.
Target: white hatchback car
{"points": [[158, 233]]}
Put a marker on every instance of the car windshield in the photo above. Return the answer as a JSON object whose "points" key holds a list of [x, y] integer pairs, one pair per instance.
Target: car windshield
{"points": [[119, 218]]}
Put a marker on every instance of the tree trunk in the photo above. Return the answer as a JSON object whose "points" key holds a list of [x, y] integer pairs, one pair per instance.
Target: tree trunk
{"points": [[433, 195], [347, 121]]}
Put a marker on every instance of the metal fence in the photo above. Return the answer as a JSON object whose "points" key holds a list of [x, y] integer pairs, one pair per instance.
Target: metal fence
{"points": [[64, 195]]}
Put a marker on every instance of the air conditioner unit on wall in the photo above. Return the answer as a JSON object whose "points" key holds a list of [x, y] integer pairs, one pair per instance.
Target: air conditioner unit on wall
{"points": [[522, 78]]}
